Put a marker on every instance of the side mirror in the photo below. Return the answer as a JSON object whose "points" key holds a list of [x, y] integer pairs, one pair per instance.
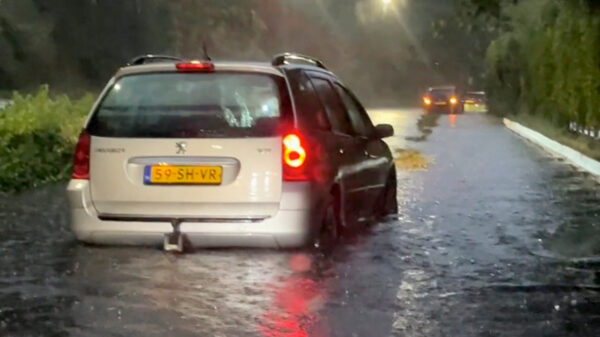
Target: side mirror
{"points": [[384, 131]]}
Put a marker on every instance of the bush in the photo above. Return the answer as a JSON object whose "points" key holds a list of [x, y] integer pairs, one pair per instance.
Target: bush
{"points": [[37, 137], [547, 63]]}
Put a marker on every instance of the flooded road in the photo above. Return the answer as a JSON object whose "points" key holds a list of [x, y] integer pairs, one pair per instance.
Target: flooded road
{"points": [[494, 238]]}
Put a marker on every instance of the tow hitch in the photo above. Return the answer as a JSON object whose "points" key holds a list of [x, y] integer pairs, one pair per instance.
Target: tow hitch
{"points": [[174, 241]]}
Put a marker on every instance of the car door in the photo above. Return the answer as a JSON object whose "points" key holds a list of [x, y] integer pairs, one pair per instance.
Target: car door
{"points": [[375, 161], [313, 123], [349, 148]]}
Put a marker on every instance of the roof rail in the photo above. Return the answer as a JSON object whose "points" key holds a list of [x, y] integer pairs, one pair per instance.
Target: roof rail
{"points": [[285, 58], [149, 58]]}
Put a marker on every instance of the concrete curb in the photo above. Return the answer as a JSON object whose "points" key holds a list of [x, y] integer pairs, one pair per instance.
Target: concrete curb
{"points": [[576, 158]]}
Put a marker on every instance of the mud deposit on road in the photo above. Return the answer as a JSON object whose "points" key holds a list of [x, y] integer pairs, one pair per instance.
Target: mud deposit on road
{"points": [[411, 160]]}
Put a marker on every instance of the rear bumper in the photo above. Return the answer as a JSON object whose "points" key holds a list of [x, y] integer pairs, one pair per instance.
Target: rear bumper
{"points": [[292, 226], [470, 107]]}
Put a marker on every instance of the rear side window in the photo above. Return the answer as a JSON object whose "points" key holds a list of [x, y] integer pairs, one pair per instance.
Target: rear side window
{"points": [[360, 120], [198, 105], [473, 96], [338, 117], [310, 111]]}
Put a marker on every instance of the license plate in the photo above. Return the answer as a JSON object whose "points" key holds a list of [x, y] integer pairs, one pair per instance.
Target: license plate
{"points": [[183, 175], [440, 103]]}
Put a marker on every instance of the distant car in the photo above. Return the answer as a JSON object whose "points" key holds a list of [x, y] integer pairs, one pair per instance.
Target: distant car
{"points": [[444, 99], [223, 154], [474, 101]]}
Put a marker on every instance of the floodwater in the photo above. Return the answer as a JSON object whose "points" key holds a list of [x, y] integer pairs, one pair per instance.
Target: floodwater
{"points": [[493, 238]]}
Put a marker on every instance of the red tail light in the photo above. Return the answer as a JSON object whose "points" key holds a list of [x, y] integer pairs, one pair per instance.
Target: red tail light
{"points": [[81, 159], [195, 66], [294, 154], [294, 158]]}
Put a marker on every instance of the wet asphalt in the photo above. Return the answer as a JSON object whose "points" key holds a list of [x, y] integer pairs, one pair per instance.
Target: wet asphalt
{"points": [[493, 238]]}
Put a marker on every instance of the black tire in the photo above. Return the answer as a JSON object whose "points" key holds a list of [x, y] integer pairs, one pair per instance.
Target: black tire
{"points": [[388, 203], [330, 230]]}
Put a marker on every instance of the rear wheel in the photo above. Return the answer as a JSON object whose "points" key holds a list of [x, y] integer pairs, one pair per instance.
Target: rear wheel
{"points": [[330, 226]]}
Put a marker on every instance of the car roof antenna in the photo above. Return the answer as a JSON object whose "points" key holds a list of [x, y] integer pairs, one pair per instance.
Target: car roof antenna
{"points": [[205, 50]]}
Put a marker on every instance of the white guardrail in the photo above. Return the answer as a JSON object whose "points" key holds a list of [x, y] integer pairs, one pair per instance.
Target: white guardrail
{"points": [[593, 133], [4, 103]]}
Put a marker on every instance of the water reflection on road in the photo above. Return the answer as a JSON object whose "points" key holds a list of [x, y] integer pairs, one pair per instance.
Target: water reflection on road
{"points": [[493, 238], [231, 292]]}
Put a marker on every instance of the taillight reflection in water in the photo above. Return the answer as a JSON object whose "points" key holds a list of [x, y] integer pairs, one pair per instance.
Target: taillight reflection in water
{"points": [[137, 292], [296, 304], [452, 120]]}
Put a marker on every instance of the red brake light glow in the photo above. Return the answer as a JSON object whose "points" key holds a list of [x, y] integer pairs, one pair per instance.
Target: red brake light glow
{"points": [[294, 158], [453, 100], [81, 158], [294, 155], [195, 66], [427, 100]]}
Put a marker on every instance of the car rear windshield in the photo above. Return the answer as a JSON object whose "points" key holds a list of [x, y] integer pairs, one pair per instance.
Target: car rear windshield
{"points": [[197, 105], [441, 94]]}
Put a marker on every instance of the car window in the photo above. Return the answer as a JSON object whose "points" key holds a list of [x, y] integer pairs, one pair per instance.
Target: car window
{"points": [[361, 123], [172, 105], [476, 96], [339, 119], [441, 94], [310, 113]]}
